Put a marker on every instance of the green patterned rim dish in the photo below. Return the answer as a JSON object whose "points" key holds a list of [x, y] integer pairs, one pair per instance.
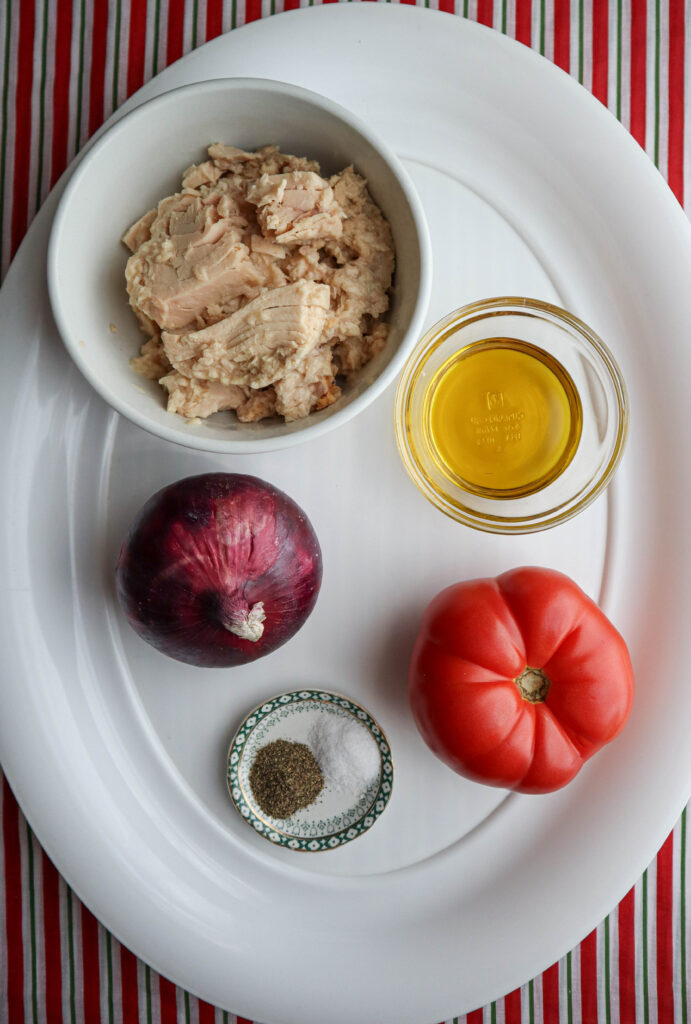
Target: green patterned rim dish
{"points": [[334, 819]]}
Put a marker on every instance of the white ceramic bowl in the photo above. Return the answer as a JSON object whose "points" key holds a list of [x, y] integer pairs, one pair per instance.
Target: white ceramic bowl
{"points": [[137, 162]]}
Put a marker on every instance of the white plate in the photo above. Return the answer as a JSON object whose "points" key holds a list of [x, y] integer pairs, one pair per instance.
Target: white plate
{"points": [[117, 755]]}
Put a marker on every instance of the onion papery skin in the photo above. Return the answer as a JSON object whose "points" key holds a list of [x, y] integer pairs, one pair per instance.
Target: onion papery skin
{"points": [[205, 551]]}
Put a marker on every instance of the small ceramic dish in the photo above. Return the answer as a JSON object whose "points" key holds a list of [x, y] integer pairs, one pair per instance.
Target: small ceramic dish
{"points": [[580, 367], [137, 162], [334, 818]]}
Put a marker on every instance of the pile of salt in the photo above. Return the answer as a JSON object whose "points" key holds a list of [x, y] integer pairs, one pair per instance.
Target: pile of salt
{"points": [[346, 753]]}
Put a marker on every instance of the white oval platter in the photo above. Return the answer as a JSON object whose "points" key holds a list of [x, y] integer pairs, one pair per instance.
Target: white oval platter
{"points": [[117, 755]]}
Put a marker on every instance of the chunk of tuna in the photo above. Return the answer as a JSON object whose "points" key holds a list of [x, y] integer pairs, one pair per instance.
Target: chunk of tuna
{"points": [[152, 362], [194, 259], [306, 386], [197, 399], [265, 247], [331, 395], [260, 343], [227, 158], [201, 174], [267, 160], [147, 325], [140, 231], [354, 352], [296, 207], [259, 406], [360, 286], [305, 264], [358, 289]]}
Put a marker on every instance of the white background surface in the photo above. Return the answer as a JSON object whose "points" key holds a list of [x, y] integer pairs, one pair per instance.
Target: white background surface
{"points": [[116, 754]]}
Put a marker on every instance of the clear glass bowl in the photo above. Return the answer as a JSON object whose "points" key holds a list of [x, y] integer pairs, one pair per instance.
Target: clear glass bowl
{"points": [[600, 390]]}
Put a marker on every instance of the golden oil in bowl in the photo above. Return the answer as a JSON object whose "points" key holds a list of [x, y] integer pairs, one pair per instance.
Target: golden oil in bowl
{"points": [[503, 418], [511, 415]]}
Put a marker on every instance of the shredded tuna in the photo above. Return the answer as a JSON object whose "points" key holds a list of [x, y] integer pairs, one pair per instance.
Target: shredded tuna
{"points": [[152, 362], [147, 326], [265, 247], [140, 231], [259, 406], [351, 354], [193, 259], [259, 344], [305, 387], [197, 399], [201, 174], [258, 283], [296, 207]]}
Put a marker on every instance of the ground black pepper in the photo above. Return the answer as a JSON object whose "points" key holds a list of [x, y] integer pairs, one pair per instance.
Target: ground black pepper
{"points": [[285, 778]]}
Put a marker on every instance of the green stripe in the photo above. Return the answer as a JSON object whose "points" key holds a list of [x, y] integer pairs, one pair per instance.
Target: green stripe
{"points": [[116, 55], [657, 83], [42, 104], [581, 37], [234, 14], [569, 999], [619, 24], [195, 16], [531, 1001], [109, 958], [5, 104], [32, 917], [70, 949], [80, 80], [608, 1009], [465, 8], [225, 1017], [187, 1008], [504, 20], [156, 31], [644, 947], [682, 900], [493, 1013], [147, 979], [542, 27]]}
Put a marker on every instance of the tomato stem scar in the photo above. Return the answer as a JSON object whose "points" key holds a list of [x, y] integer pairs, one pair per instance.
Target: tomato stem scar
{"points": [[533, 685]]}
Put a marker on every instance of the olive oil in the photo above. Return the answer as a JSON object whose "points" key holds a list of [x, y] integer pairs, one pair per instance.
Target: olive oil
{"points": [[503, 418]]}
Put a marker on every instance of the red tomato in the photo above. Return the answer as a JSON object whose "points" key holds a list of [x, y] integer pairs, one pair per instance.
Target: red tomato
{"points": [[516, 681]]}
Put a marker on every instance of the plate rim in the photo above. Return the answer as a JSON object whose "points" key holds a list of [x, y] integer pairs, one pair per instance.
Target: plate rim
{"points": [[31, 797]]}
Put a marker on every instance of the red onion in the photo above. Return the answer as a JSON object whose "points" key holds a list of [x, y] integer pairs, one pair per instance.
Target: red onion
{"points": [[219, 569]]}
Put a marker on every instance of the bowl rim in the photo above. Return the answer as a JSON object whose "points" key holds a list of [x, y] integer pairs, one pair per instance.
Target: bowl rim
{"points": [[484, 309], [174, 433]]}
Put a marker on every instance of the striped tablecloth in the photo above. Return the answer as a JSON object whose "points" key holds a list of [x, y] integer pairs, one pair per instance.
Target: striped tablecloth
{"points": [[66, 65]]}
